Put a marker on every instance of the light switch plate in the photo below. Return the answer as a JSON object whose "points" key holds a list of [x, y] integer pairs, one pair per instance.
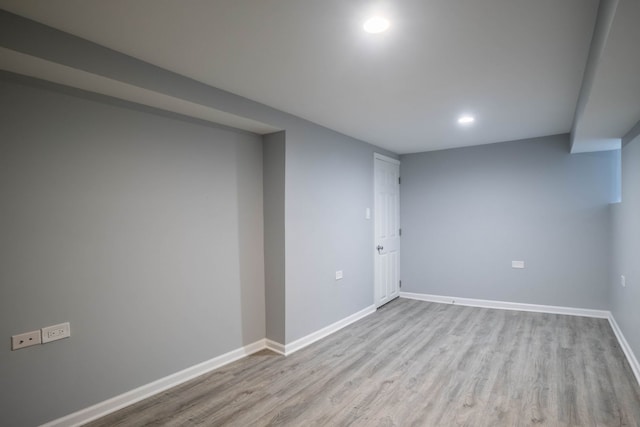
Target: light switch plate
{"points": [[339, 275], [517, 264]]}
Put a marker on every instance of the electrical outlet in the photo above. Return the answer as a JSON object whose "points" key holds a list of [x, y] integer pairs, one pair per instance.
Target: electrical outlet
{"points": [[56, 332], [517, 264], [25, 340], [623, 281], [339, 275]]}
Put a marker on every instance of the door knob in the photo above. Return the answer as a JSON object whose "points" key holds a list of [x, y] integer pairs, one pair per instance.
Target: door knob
{"points": [[379, 248]]}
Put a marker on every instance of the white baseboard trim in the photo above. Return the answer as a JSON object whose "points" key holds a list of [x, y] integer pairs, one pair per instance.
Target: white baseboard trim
{"points": [[503, 305], [275, 346], [328, 330], [118, 402], [626, 348]]}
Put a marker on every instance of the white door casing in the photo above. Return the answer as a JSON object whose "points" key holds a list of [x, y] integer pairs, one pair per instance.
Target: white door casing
{"points": [[387, 229]]}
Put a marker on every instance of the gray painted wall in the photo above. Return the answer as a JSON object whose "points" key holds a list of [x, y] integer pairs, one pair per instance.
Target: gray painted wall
{"points": [[467, 213], [274, 232], [146, 233], [626, 248], [329, 186]]}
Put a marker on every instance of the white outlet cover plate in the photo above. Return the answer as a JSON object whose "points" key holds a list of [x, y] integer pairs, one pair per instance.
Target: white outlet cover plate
{"points": [[56, 332], [517, 264], [339, 275], [25, 340]]}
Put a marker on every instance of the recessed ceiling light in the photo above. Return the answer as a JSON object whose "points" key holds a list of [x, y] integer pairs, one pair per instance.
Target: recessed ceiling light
{"points": [[466, 120], [376, 24]]}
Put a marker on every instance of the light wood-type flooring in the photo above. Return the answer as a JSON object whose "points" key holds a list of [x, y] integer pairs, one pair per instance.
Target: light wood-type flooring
{"points": [[415, 363]]}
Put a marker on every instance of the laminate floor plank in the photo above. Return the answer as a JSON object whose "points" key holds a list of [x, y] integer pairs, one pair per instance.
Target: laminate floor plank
{"points": [[415, 363]]}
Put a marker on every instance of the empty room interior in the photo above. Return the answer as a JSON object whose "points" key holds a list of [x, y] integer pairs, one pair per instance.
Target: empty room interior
{"points": [[283, 212]]}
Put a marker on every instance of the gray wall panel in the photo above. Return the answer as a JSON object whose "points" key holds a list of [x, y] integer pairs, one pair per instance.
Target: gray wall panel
{"points": [[626, 248], [467, 213], [329, 185], [144, 232]]}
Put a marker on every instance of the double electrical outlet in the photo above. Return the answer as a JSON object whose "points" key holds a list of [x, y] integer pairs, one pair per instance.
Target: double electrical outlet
{"points": [[41, 336]]}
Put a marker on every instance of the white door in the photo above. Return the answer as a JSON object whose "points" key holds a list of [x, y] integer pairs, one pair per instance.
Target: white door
{"points": [[387, 229]]}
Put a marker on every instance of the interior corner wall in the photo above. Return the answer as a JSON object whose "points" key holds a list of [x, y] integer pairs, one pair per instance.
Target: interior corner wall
{"points": [[142, 231], [274, 234], [468, 212], [626, 248]]}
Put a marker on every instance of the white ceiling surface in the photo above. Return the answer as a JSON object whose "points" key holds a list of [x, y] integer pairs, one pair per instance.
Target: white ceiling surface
{"points": [[516, 64]]}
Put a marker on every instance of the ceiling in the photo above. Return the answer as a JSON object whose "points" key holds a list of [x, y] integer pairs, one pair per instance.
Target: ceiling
{"points": [[517, 65]]}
